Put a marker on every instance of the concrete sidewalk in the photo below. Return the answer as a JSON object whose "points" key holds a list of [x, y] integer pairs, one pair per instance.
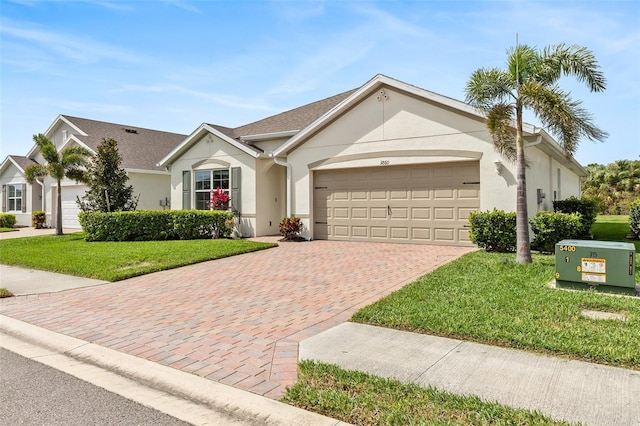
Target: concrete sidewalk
{"points": [[24, 281], [560, 388]]}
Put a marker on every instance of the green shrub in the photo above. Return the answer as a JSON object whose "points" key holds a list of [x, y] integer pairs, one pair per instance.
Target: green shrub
{"points": [[550, 228], [5, 293], [38, 219], [7, 220], [155, 225], [493, 230], [634, 218], [586, 209], [290, 227]]}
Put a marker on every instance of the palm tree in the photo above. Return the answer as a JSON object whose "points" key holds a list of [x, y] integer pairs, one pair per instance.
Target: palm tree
{"points": [[531, 81], [67, 163]]}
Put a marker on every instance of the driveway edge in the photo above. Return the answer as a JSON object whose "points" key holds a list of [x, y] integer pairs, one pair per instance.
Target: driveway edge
{"points": [[182, 395]]}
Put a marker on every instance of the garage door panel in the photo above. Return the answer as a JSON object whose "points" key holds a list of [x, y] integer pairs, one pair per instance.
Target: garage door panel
{"points": [[359, 212], [359, 195], [360, 231], [379, 232], [444, 193], [420, 213], [378, 194], [444, 213], [378, 213], [419, 203], [444, 234], [421, 234], [399, 213]]}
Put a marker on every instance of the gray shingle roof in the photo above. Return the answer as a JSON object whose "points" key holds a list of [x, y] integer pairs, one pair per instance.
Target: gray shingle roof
{"points": [[22, 161], [294, 119], [140, 148]]}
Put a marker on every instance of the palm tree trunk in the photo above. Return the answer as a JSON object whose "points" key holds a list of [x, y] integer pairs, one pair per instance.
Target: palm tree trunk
{"points": [[59, 214], [523, 254]]}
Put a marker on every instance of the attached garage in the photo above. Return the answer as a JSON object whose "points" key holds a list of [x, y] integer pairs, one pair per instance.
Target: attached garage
{"points": [[70, 207], [426, 203]]}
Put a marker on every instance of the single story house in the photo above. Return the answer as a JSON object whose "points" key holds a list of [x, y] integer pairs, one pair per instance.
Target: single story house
{"points": [[387, 161], [141, 150]]}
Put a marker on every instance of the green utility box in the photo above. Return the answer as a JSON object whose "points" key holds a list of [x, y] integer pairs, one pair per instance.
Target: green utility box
{"points": [[598, 265]]}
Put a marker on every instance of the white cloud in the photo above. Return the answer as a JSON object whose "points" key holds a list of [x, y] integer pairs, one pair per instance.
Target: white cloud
{"points": [[78, 48]]}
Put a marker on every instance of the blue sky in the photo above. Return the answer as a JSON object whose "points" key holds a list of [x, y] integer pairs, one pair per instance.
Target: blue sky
{"points": [[171, 65]]}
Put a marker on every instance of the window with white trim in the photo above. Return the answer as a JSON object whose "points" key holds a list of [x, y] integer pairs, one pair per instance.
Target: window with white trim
{"points": [[14, 198], [205, 181]]}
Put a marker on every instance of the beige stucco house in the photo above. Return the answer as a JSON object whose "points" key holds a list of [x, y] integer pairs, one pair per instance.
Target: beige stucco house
{"points": [[388, 161], [141, 150]]}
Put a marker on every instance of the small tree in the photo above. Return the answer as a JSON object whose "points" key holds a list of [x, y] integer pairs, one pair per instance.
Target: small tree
{"points": [[69, 163], [107, 181]]}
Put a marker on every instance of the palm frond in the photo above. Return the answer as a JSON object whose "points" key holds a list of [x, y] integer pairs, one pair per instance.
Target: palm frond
{"points": [[503, 134], [525, 60], [561, 115], [488, 86], [47, 148], [577, 61], [35, 171]]}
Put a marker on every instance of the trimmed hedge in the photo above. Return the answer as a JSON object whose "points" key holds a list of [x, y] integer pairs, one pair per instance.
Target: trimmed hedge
{"points": [[154, 225], [634, 218], [586, 209], [493, 230], [550, 228], [7, 220]]}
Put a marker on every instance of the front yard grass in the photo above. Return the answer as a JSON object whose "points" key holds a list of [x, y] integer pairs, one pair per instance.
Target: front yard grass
{"points": [[363, 399], [479, 298], [8, 229], [113, 261]]}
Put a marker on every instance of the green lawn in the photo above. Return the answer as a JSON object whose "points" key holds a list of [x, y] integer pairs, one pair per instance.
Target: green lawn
{"points": [[362, 399], [113, 261], [613, 228], [479, 298], [8, 229]]}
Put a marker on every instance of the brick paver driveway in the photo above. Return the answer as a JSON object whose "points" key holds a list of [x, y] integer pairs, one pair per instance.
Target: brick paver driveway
{"points": [[236, 320]]}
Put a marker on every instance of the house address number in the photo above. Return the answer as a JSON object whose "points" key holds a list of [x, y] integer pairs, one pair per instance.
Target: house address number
{"points": [[385, 162]]}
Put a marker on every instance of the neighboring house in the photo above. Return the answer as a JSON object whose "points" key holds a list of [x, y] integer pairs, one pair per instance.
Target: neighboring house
{"points": [[141, 149], [388, 161]]}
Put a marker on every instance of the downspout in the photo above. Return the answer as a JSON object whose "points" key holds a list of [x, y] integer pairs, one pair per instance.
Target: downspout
{"points": [[44, 205], [288, 166]]}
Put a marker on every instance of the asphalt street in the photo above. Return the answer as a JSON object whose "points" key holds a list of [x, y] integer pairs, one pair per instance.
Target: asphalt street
{"points": [[32, 393]]}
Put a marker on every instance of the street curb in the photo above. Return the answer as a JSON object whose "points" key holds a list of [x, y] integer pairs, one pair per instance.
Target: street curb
{"points": [[159, 386]]}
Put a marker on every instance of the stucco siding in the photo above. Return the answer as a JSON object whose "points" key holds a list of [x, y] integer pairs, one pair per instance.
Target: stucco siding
{"points": [[210, 147], [152, 188], [269, 197]]}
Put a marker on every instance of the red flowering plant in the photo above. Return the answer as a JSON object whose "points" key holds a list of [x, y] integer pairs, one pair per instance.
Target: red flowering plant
{"points": [[219, 199]]}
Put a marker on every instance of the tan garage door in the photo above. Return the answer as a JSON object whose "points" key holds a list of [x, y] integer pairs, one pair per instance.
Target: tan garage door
{"points": [[426, 204]]}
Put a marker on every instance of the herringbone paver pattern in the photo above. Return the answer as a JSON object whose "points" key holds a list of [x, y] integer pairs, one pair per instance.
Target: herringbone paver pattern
{"points": [[236, 320]]}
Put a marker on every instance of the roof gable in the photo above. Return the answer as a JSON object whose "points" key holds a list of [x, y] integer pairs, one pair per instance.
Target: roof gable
{"points": [[369, 88], [139, 147], [19, 161]]}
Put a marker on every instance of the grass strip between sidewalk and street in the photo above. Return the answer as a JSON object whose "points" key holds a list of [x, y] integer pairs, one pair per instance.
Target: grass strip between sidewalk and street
{"points": [[362, 399], [113, 261]]}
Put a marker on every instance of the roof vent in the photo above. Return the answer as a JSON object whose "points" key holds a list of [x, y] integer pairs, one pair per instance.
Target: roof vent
{"points": [[131, 131]]}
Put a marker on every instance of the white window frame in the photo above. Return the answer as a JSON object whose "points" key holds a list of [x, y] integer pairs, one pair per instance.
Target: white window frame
{"points": [[14, 199], [213, 183]]}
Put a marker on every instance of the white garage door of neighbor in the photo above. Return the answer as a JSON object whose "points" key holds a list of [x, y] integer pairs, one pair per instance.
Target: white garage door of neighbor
{"points": [[426, 204], [70, 207]]}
